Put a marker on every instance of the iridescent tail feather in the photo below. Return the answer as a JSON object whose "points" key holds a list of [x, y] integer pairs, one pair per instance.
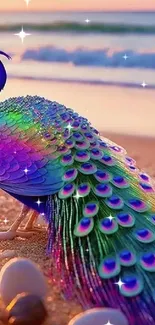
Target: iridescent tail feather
{"points": [[100, 207], [76, 261]]}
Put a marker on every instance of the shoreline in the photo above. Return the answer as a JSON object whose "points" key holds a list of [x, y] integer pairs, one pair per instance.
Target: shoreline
{"points": [[94, 82]]}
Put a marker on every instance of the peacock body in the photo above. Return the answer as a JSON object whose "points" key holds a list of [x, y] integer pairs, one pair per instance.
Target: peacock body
{"points": [[99, 206]]}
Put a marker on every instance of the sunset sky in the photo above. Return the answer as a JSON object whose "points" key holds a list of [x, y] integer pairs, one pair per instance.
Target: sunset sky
{"points": [[45, 5]]}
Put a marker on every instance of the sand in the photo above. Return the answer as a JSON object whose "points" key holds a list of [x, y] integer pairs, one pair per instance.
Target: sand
{"points": [[61, 311]]}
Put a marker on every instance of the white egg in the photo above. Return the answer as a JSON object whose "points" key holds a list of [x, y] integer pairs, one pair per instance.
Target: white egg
{"points": [[21, 275], [100, 316]]}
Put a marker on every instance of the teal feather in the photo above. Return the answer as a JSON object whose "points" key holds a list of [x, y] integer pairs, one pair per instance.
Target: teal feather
{"points": [[100, 207]]}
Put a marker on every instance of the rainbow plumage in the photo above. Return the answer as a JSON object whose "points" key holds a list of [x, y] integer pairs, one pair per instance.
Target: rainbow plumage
{"points": [[99, 206]]}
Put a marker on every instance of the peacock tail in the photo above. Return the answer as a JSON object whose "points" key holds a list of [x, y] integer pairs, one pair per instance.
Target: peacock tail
{"points": [[99, 206]]}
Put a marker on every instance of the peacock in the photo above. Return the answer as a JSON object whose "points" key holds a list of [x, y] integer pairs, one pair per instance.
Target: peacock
{"points": [[99, 207], [3, 74]]}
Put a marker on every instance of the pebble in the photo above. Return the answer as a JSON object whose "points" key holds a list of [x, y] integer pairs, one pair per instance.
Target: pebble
{"points": [[7, 254], [21, 275], [26, 309], [100, 316]]}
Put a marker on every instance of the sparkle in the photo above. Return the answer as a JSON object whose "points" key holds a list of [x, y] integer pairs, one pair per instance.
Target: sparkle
{"points": [[125, 57], [109, 323], [26, 170], [110, 217], [119, 283], [77, 196], [22, 35], [6, 221], [87, 20], [143, 84], [38, 202], [27, 2], [15, 152], [69, 127]]}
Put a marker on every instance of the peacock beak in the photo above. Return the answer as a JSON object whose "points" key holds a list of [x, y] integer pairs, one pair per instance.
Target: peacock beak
{"points": [[6, 55]]}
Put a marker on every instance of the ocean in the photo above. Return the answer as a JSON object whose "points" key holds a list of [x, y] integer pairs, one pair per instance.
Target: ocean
{"points": [[64, 47]]}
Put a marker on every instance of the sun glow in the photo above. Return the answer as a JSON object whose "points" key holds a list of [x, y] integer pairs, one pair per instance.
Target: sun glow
{"points": [[65, 5]]}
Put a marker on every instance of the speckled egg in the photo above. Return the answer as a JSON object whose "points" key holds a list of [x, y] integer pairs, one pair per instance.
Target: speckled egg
{"points": [[21, 275], [100, 316]]}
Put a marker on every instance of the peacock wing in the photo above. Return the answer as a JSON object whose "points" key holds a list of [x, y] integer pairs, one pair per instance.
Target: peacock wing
{"points": [[29, 157]]}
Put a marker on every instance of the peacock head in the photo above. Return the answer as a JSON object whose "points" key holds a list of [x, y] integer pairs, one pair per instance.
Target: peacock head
{"points": [[3, 74]]}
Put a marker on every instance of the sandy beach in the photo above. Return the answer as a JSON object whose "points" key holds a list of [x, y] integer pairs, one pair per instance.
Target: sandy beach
{"points": [[119, 115]]}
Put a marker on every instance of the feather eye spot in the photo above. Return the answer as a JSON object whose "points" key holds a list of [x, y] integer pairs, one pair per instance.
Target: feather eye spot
{"points": [[109, 267], [127, 258], [132, 285], [147, 262], [145, 235], [84, 227]]}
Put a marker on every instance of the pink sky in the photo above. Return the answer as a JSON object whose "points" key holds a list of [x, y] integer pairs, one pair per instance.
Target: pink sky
{"points": [[78, 5]]}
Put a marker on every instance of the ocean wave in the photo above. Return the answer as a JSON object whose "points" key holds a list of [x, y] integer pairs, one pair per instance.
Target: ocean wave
{"points": [[96, 58], [121, 84], [81, 28]]}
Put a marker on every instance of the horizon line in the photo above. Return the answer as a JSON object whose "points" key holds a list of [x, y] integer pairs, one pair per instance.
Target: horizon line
{"points": [[80, 10]]}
